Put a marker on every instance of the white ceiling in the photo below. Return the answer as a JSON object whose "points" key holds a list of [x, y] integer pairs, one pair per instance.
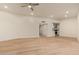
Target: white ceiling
{"points": [[57, 10]]}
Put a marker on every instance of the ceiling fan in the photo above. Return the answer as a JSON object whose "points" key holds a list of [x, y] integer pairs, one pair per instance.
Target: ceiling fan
{"points": [[29, 5]]}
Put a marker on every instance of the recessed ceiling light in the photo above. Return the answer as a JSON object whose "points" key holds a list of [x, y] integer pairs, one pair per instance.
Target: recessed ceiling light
{"points": [[67, 12], [66, 16], [5, 6], [29, 6]]}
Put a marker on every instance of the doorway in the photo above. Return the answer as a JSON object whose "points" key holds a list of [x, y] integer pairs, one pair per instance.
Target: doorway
{"points": [[43, 29], [56, 29]]}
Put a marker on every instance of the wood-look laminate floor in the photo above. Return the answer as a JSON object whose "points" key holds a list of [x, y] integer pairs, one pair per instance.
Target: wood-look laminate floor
{"points": [[40, 46]]}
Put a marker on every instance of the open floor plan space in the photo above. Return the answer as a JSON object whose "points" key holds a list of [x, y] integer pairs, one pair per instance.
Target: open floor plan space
{"points": [[39, 28]]}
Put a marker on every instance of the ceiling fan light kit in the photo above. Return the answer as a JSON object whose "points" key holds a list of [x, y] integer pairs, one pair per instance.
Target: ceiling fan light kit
{"points": [[30, 5]]}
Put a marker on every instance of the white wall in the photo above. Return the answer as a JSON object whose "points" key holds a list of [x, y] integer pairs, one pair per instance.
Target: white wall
{"points": [[16, 26], [68, 27], [78, 27]]}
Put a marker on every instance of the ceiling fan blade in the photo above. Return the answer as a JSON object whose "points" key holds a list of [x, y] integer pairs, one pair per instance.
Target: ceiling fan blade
{"points": [[26, 4], [34, 4], [23, 6]]}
